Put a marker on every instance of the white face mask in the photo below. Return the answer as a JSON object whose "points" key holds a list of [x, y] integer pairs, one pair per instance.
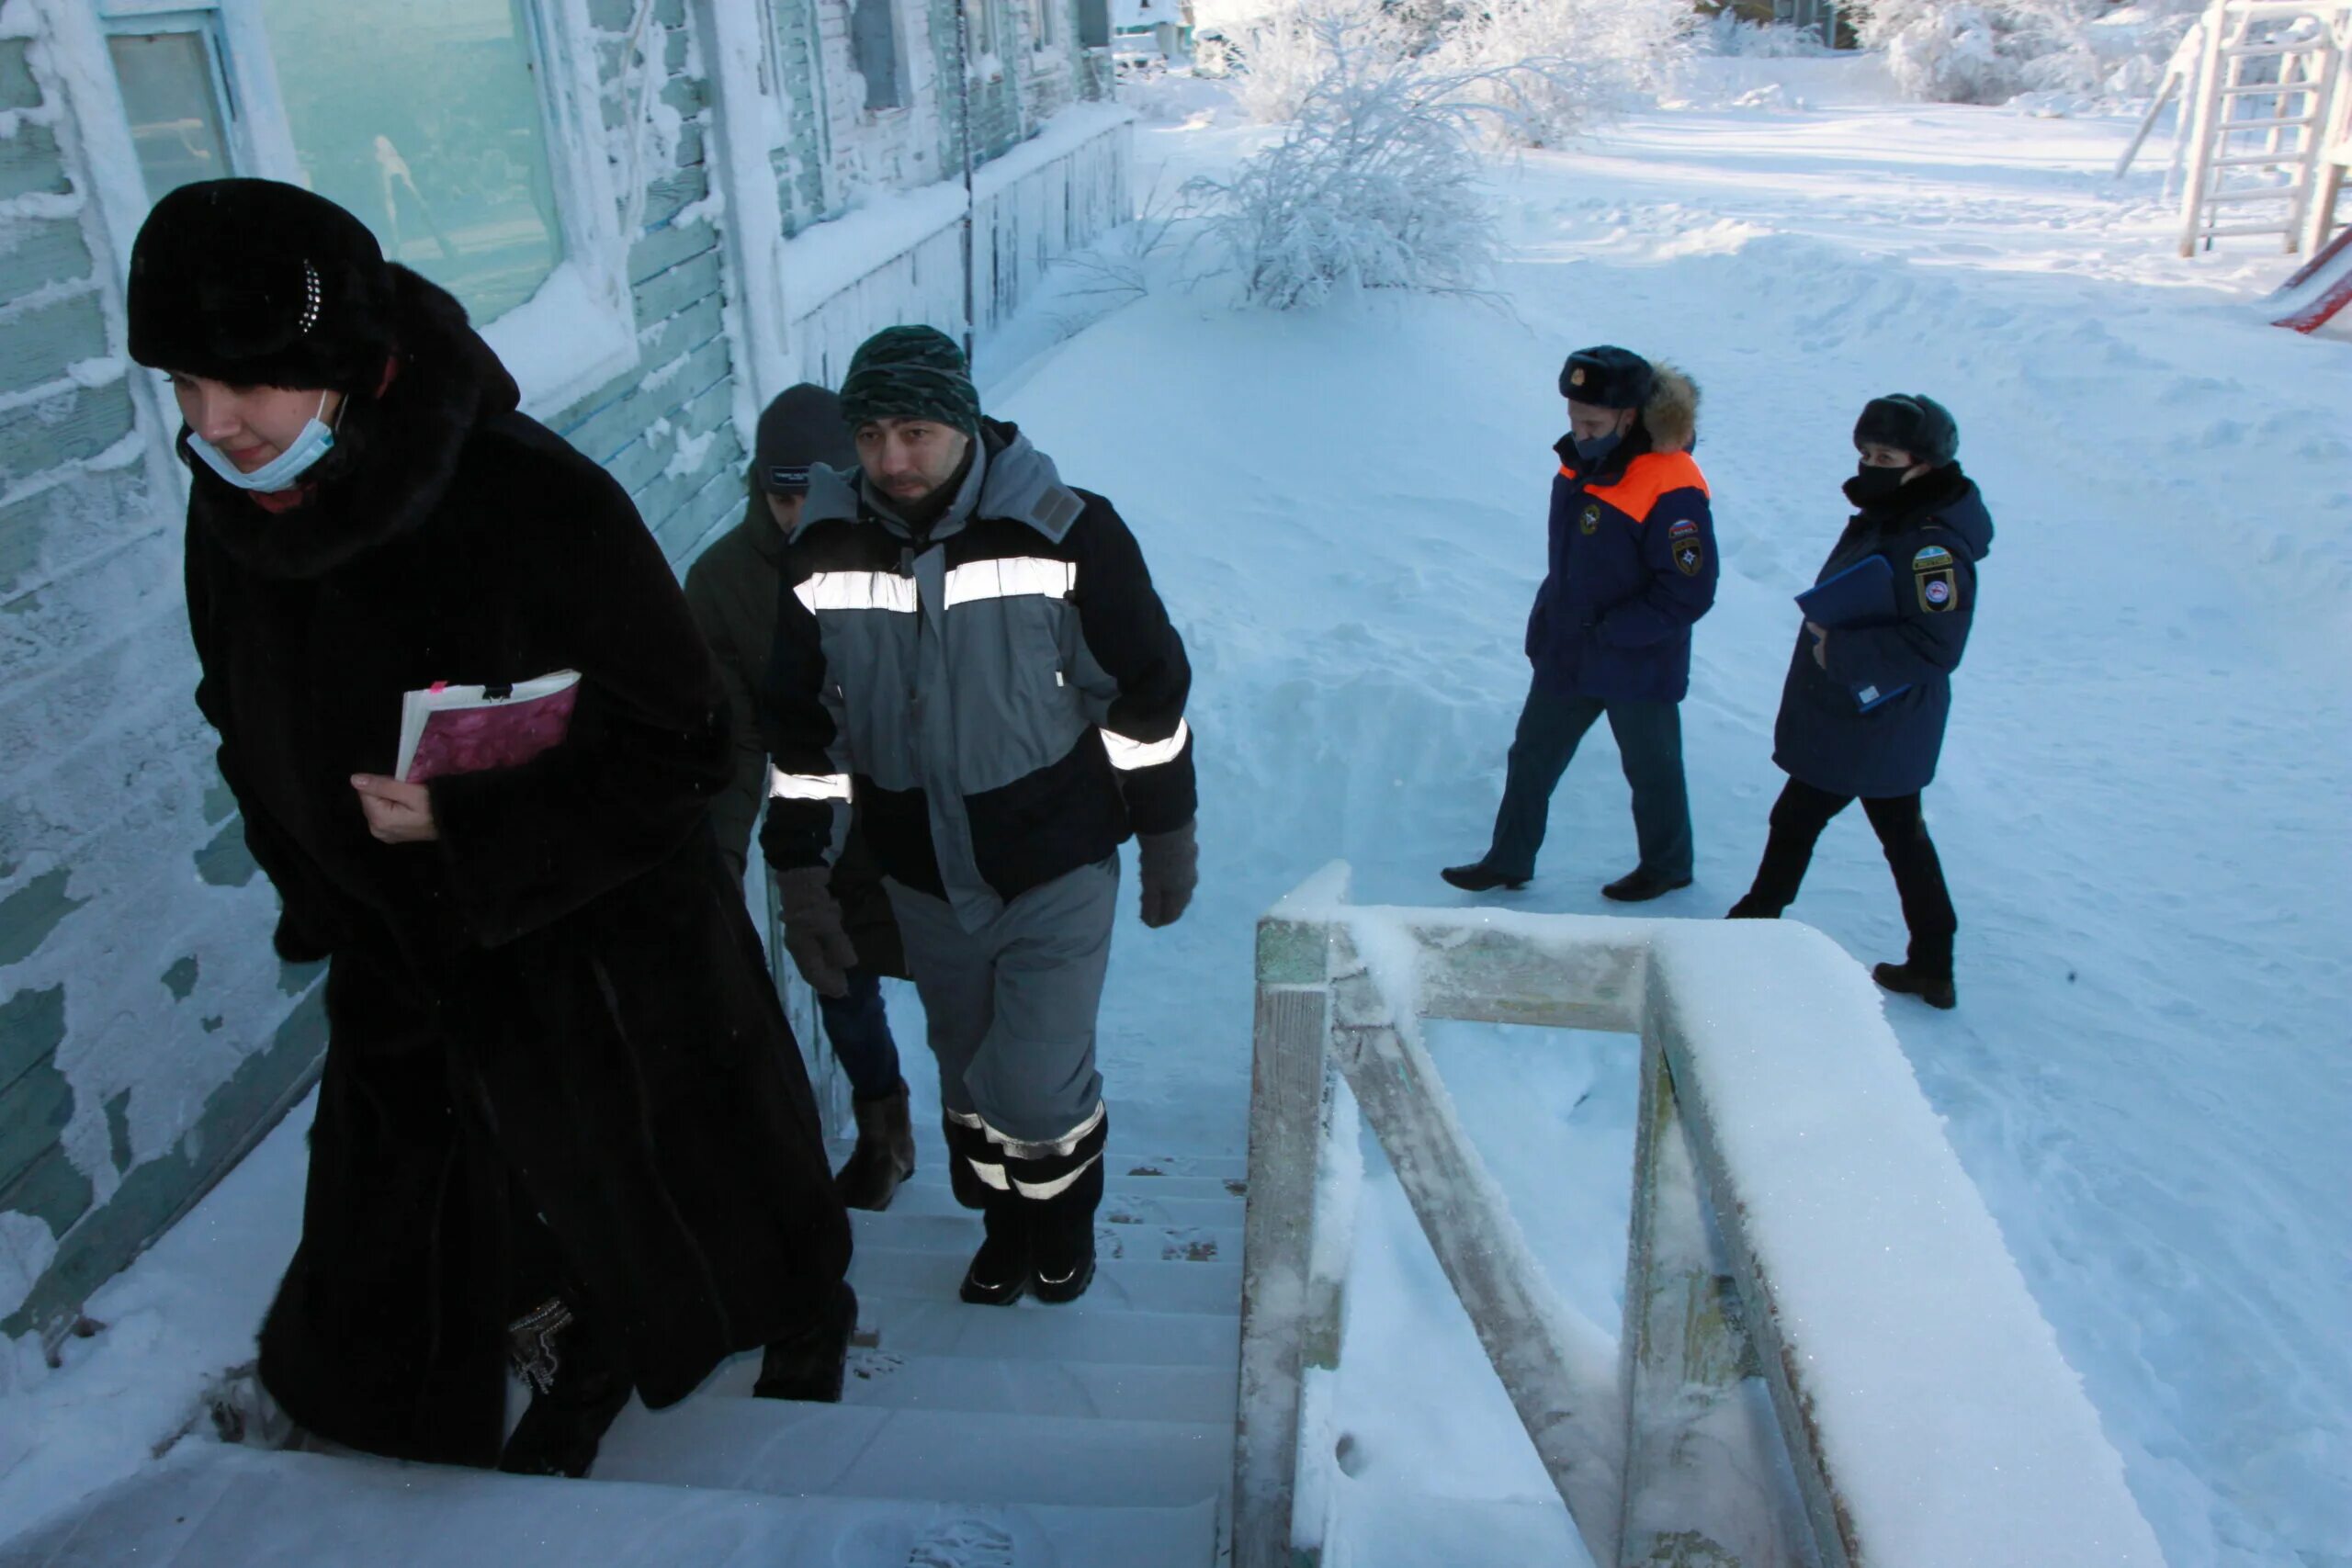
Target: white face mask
{"points": [[280, 472]]}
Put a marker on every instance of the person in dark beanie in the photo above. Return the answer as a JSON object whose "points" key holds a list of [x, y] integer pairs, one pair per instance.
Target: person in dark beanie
{"points": [[562, 1125], [1632, 567], [731, 589], [1864, 710], [971, 662]]}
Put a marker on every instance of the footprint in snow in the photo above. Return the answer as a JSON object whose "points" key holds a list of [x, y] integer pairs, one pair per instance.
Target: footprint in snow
{"points": [[964, 1543]]}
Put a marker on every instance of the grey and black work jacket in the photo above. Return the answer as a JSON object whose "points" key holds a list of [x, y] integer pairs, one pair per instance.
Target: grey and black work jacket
{"points": [[1000, 697]]}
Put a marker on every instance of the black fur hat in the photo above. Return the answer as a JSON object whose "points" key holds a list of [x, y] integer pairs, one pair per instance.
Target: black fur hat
{"points": [[260, 284], [1913, 423], [1607, 376]]}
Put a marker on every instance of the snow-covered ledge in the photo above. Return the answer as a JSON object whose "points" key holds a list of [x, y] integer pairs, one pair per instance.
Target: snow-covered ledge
{"points": [[1910, 1389]]}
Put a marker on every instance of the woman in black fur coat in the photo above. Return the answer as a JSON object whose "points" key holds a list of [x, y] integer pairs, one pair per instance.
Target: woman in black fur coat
{"points": [[563, 1124]]}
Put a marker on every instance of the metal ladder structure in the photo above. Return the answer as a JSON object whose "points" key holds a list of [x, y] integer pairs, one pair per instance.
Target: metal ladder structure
{"points": [[2268, 92]]}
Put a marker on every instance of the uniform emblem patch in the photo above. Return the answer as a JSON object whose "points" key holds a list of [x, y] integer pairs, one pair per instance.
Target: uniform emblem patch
{"points": [[1689, 557], [1933, 558], [1939, 590], [1575, 377], [1590, 520], [1683, 529]]}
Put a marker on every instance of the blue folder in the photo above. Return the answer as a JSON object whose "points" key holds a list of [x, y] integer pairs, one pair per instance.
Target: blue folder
{"points": [[1862, 594]]}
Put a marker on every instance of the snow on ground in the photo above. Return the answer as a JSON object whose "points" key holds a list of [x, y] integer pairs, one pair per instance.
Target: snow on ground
{"points": [[2139, 810]]}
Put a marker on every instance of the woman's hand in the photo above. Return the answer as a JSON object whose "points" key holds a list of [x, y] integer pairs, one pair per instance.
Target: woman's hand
{"points": [[1820, 644], [397, 813]]}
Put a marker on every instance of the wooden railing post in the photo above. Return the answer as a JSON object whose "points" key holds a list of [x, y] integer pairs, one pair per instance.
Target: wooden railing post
{"points": [[1707, 1484], [1289, 1309]]}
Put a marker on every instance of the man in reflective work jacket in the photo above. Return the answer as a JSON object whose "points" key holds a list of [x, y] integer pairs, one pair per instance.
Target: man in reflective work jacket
{"points": [[1632, 567], [970, 656]]}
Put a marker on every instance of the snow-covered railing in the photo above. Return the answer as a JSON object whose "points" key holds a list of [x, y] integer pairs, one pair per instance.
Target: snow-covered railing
{"points": [[1827, 1354]]}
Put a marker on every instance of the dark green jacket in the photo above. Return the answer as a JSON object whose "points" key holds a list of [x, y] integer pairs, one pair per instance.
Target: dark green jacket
{"points": [[732, 588]]}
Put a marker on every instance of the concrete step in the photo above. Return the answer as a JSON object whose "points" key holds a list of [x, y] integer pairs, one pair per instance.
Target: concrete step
{"points": [[1026, 1331], [960, 1232], [1085, 1390], [1121, 1284], [851, 1450], [1144, 1203], [210, 1506]]}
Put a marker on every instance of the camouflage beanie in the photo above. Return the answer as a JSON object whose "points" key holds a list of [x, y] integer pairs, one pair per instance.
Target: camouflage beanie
{"points": [[910, 373]]}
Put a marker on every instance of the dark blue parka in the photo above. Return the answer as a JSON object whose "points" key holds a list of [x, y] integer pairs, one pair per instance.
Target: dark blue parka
{"points": [[1632, 567], [1932, 531]]}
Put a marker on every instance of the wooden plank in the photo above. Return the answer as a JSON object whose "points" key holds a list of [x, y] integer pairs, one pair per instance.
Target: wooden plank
{"points": [[1562, 1378], [1706, 1473], [1289, 1101]]}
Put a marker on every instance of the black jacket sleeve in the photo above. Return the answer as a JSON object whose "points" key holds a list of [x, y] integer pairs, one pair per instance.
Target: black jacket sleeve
{"points": [[309, 924], [648, 746], [1127, 631], [735, 810], [809, 792]]}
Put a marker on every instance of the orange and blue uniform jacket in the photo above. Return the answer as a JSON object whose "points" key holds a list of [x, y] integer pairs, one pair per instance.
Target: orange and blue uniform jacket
{"points": [[1632, 567]]}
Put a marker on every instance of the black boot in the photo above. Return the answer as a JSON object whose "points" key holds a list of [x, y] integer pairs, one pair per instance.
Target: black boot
{"points": [[1480, 877], [1000, 1271], [1750, 908], [1912, 980], [1639, 887], [965, 1145], [809, 1364], [1061, 1238], [576, 1391], [885, 1155]]}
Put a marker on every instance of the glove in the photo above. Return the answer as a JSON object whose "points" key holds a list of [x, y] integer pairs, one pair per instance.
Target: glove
{"points": [[295, 942], [813, 934], [1169, 866]]}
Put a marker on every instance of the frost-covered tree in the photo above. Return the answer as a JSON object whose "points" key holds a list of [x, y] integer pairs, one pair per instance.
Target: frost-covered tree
{"points": [[1375, 183], [1555, 64], [1989, 51]]}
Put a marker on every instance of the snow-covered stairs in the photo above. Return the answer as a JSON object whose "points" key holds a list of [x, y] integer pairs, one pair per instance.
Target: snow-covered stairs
{"points": [[1092, 1435]]}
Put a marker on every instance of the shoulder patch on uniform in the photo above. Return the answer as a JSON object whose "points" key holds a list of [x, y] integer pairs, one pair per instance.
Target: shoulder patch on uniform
{"points": [[1684, 529], [1931, 559], [1690, 555], [1592, 518]]}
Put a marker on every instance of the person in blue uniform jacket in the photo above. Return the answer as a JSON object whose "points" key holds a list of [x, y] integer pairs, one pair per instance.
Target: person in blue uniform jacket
{"points": [[1862, 714], [1632, 567]]}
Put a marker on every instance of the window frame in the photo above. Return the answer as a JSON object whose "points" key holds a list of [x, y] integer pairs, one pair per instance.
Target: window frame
{"points": [[577, 334]]}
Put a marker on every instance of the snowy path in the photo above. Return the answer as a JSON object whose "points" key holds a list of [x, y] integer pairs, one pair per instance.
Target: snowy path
{"points": [[2141, 806]]}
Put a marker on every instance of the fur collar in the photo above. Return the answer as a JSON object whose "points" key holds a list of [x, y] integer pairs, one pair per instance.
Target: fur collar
{"points": [[394, 457]]}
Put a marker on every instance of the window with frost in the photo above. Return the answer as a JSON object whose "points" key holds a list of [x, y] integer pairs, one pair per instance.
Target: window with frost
{"points": [[466, 133], [424, 122], [175, 98], [1043, 34], [874, 49]]}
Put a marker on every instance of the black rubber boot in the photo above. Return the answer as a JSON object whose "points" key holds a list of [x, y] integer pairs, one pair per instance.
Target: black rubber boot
{"points": [[576, 1391], [1750, 908], [1000, 1271], [964, 1144], [1911, 980], [1639, 887], [809, 1365], [885, 1155], [1480, 877], [1061, 1238]]}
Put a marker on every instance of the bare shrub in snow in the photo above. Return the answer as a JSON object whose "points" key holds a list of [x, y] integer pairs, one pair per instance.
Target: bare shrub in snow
{"points": [[1374, 185], [1274, 63]]}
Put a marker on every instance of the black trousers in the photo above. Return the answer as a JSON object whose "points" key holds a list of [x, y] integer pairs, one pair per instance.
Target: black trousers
{"points": [[1798, 818]]}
